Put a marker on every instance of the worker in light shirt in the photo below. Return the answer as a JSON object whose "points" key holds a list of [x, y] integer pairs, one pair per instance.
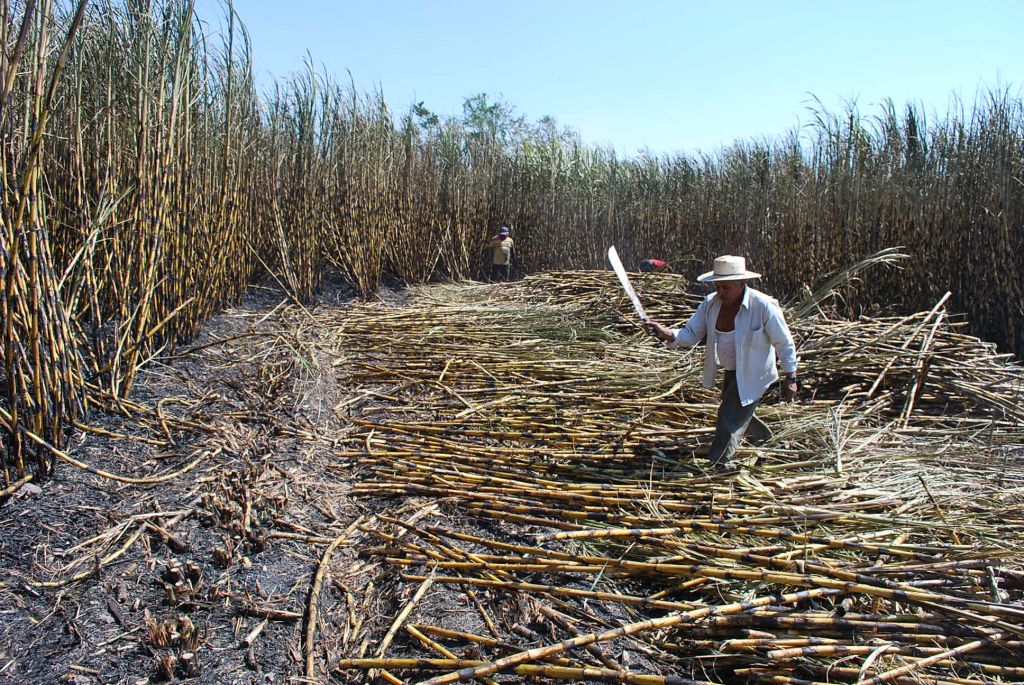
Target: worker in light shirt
{"points": [[747, 337]]}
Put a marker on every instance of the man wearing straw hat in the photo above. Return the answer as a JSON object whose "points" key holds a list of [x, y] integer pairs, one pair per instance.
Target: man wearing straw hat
{"points": [[745, 331]]}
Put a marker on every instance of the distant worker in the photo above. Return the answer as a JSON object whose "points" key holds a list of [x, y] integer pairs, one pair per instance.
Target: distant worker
{"points": [[502, 253], [656, 266], [745, 330]]}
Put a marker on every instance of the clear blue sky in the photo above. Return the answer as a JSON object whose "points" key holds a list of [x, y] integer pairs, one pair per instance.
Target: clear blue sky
{"points": [[668, 75]]}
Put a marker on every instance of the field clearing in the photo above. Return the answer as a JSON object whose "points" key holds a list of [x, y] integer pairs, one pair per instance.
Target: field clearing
{"points": [[467, 472], [218, 466], [149, 182]]}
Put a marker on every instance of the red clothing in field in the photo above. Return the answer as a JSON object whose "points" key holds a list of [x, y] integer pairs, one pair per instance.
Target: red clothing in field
{"points": [[653, 265]]}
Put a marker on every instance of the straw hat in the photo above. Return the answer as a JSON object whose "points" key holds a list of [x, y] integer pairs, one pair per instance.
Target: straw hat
{"points": [[728, 268]]}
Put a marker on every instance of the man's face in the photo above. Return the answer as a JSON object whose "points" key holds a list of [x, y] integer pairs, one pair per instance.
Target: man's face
{"points": [[730, 292]]}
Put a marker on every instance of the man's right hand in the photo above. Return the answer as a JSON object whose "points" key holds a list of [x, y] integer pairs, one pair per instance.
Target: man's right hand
{"points": [[658, 331]]}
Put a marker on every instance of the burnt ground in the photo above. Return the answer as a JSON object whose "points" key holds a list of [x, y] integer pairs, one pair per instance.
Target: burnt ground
{"points": [[173, 576]]}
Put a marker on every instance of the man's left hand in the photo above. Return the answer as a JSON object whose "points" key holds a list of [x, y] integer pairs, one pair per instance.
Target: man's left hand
{"points": [[790, 387]]}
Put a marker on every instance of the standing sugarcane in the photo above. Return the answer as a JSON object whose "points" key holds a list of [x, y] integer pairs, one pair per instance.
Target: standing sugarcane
{"points": [[44, 390]]}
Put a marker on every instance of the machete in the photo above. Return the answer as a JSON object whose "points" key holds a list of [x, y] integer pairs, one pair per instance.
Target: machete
{"points": [[620, 271]]}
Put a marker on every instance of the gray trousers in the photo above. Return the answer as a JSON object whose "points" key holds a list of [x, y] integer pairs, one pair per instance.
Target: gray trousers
{"points": [[734, 420]]}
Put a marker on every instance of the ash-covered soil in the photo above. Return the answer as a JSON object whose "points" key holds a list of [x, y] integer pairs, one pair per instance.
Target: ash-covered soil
{"points": [[204, 577]]}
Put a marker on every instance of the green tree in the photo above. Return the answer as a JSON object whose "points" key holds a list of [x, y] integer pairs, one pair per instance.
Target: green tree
{"points": [[492, 121]]}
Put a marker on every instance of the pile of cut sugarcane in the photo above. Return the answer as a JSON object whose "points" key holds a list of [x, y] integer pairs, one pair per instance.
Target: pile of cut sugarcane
{"points": [[559, 520]]}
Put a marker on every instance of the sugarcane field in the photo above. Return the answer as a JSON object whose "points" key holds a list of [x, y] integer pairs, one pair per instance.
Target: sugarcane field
{"points": [[300, 389]]}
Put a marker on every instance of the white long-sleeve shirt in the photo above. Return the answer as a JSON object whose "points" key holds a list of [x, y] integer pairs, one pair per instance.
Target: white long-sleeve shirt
{"points": [[761, 333]]}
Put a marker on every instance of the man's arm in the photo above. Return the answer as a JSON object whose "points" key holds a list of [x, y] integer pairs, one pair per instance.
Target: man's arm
{"points": [[692, 332], [782, 340]]}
